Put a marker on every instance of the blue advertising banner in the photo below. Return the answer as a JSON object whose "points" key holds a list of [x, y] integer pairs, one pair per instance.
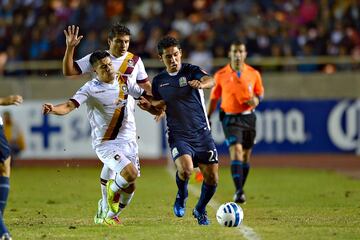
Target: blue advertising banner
{"points": [[306, 126]]}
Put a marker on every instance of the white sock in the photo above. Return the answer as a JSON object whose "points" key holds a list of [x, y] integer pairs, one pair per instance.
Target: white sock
{"points": [[125, 199], [105, 175], [119, 183]]}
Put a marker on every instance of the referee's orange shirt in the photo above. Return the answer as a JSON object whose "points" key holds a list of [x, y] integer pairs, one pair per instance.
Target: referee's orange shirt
{"points": [[234, 91]]}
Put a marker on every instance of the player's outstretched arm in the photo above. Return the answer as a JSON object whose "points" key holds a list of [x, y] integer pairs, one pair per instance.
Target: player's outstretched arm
{"points": [[72, 40], [11, 100], [60, 109], [203, 83]]}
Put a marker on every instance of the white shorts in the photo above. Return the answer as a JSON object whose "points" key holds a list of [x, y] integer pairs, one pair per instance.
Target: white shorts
{"points": [[117, 155]]}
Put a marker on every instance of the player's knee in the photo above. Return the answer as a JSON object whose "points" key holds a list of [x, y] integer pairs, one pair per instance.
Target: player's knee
{"points": [[5, 167], [129, 173], [212, 178], [186, 172]]}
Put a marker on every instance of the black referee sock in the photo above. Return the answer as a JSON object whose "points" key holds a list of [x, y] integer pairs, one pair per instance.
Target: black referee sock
{"points": [[237, 174], [246, 169]]}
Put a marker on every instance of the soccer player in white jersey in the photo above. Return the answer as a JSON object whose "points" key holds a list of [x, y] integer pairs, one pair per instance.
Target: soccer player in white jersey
{"points": [[123, 61], [113, 140]]}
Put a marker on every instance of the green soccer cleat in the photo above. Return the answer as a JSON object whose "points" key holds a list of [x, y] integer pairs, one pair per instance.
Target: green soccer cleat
{"points": [[111, 198], [112, 221], [100, 214]]}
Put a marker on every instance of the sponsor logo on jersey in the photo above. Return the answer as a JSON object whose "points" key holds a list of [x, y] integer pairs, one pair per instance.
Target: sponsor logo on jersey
{"points": [[164, 84], [182, 81], [101, 91], [117, 157]]}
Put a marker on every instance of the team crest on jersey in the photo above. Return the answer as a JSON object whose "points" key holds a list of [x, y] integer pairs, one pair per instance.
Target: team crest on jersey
{"points": [[174, 152], [182, 81], [130, 63]]}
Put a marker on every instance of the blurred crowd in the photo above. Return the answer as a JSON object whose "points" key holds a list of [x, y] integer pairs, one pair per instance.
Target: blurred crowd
{"points": [[33, 29]]}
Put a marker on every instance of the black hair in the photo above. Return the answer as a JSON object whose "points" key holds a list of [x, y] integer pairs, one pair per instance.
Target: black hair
{"points": [[166, 42], [98, 55], [118, 29]]}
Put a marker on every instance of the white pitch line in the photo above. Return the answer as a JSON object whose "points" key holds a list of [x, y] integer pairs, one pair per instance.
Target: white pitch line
{"points": [[247, 232]]}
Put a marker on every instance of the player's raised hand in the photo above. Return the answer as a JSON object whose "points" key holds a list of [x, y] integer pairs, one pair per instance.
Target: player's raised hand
{"points": [[71, 35], [195, 84], [46, 108]]}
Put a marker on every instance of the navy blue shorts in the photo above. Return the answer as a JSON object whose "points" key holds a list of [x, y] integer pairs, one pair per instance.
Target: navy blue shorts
{"points": [[200, 146], [4, 146]]}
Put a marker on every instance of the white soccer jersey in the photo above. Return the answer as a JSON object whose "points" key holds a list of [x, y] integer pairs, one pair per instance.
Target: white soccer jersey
{"points": [[108, 120], [137, 75]]}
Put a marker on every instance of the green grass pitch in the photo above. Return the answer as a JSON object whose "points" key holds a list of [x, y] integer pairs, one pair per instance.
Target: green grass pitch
{"points": [[59, 203]]}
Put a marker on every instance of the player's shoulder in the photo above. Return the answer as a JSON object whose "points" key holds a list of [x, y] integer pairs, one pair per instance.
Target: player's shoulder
{"points": [[251, 69], [159, 76], [92, 84]]}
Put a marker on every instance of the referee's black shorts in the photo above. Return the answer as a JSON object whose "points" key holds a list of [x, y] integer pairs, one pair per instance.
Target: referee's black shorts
{"points": [[240, 128]]}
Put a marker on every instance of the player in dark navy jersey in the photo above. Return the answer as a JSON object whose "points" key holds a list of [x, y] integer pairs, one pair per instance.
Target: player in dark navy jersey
{"points": [[5, 160], [179, 89]]}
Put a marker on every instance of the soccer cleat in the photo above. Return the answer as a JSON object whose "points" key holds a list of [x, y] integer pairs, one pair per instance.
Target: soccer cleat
{"points": [[202, 218], [111, 197], [240, 197], [179, 206], [112, 221], [100, 214], [6, 236]]}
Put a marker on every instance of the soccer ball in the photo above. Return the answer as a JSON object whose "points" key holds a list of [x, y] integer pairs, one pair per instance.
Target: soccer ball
{"points": [[230, 215]]}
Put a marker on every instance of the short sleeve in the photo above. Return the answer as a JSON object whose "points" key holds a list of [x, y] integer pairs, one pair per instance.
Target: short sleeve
{"points": [[258, 88], [142, 76], [82, 94], [197, 72], [154, 90], [216, 90], [84, 64]]}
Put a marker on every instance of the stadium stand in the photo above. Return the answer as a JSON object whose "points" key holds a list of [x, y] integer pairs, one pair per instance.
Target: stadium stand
{"points": [[33, 29]]}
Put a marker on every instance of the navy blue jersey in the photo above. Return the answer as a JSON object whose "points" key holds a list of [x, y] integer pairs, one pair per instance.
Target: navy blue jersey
{"points": [[185, 111], [4, 146]]}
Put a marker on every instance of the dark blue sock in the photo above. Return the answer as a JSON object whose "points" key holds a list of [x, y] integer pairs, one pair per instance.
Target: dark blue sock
{"points": [[207, 191], [4, 192], [237, 174], [182, 187], [246, 169]]}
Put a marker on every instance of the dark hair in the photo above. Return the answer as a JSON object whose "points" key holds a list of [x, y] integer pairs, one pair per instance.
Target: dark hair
{"points": [[166, 42], [237, 43], [98, 55], [118, 29]]}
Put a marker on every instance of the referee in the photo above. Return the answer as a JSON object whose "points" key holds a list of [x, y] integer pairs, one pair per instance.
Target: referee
{"points": [[240, 88]]}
